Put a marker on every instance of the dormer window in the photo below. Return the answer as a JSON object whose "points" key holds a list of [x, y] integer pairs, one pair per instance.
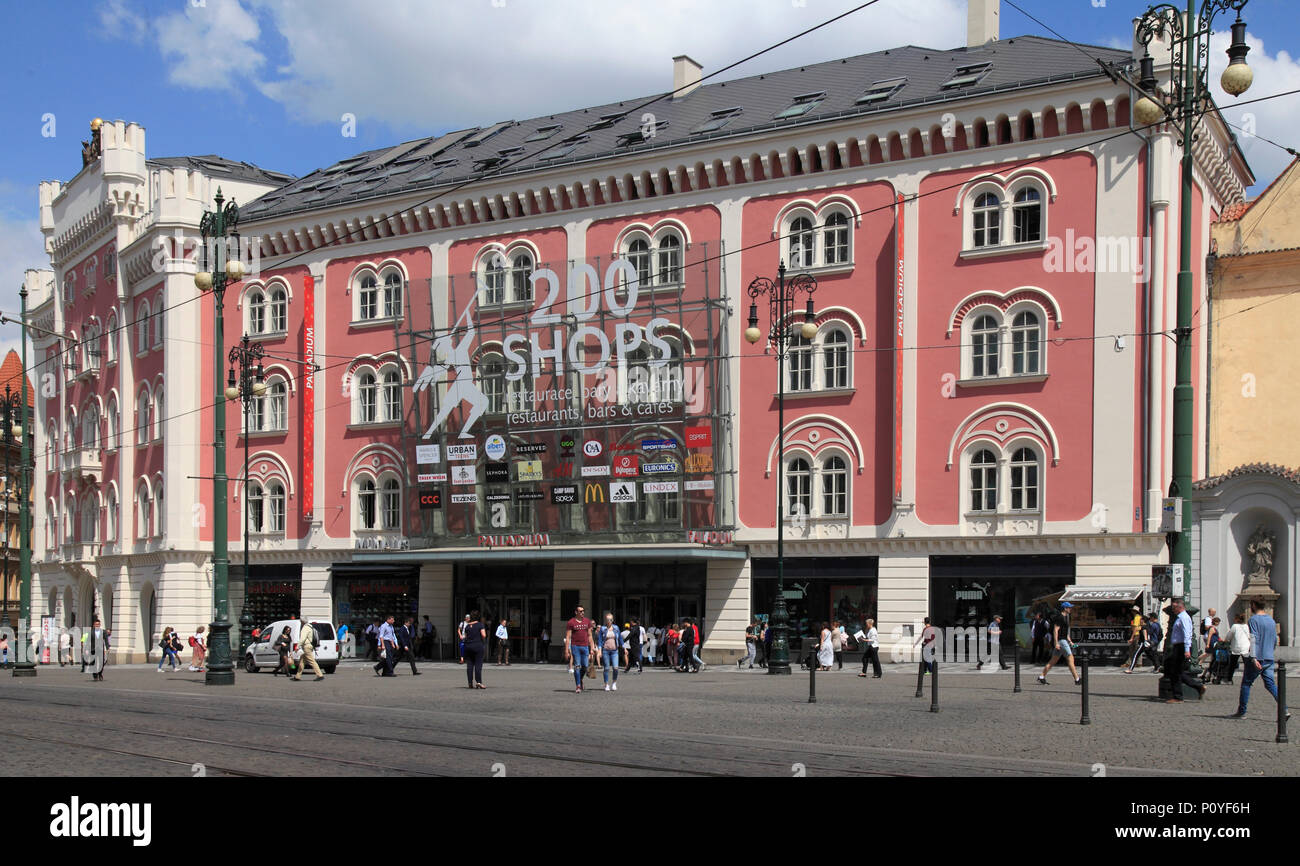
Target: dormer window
{"points": [[544, 132], [881, 91], [802, 104], [965, 76], [718, 119]]}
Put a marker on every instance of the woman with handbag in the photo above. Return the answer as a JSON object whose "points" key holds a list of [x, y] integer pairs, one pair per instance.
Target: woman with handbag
{"points": [[825, 650], [475, 647], [283, 644], [611, 644], [165, 644]]}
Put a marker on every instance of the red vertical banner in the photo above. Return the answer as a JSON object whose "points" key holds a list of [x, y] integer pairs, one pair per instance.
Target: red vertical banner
{"points": [[898, 348], [308, 395]]}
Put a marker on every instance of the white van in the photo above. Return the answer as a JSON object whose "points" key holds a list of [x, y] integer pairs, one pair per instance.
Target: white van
{"points": [[261, 652]]}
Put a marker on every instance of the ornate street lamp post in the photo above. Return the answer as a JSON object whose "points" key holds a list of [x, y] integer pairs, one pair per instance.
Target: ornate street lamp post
{"points": [[250, 386], [26, 666], [11, 430], [216, 225], [781, 297], [1183, 106]]}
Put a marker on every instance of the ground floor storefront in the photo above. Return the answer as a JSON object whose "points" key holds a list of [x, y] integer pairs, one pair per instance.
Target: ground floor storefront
{"points": [[959, 583]]}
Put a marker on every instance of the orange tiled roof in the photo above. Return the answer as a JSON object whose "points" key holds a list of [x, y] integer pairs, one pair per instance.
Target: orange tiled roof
{"points": [[1234, 211], [10, 370], [1292, 475]]}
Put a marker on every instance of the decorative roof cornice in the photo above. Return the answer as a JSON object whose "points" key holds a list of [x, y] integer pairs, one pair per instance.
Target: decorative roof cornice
{"points": [[1271, 470]]}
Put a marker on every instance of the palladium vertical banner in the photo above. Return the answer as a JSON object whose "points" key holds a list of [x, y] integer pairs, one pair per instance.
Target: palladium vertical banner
{"points": [[586, 404], [308, 394]]}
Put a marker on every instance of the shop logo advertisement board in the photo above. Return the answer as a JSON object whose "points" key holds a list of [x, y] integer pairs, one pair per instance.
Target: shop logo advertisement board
{"points": [[463, 451], [430, 499], [431, 478], [601, 382]]}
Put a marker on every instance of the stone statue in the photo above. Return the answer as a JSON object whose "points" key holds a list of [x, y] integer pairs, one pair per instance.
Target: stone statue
{"points": [[90, 150], [1260, 550]]}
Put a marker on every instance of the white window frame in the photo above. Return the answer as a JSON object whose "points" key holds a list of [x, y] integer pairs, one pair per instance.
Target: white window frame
{"points": [[160, 320], [814, 257], [359, 492], [143, 415], [1003, 217], [158, 409], [143, 512], [111, 515], [110, 339], [1004, 466], [142, 329], [492, 382], [1004, 321], [389, 382]]}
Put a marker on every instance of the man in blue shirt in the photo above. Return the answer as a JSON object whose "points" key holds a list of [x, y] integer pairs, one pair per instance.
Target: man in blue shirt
{"points": [[1263, 638], [387, 648], [1180, 649]]}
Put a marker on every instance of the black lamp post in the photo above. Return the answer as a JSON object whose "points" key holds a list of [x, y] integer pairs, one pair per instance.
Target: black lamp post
{"points": [[247, 386], [1189, 59], [781, 297], [26, 666], [11, 430], [225, 268]]}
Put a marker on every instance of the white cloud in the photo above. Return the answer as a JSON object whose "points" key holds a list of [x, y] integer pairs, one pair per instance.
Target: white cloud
{"points": [[210, 46], [1275, 119], [426, 66], [120, 21]]}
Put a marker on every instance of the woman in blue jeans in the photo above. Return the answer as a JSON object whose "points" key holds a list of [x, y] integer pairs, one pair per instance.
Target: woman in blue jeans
{"points": [[475, 647], [610, 641]]}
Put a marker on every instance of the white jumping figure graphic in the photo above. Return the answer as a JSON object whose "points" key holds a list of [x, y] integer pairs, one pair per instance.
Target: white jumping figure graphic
{"points": [[464, 388]]}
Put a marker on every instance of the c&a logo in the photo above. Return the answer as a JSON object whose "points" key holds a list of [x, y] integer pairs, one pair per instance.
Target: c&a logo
{"points": [[593, 493]]}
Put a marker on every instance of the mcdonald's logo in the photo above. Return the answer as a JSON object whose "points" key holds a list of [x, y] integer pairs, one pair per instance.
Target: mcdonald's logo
{"points": [[593, 493]]}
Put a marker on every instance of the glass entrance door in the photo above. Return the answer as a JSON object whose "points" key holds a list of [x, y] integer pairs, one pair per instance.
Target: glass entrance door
{"points": [[538, 618]]}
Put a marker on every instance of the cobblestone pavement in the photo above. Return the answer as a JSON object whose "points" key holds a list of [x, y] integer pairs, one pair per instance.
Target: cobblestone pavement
{"points": [[529, 722]]}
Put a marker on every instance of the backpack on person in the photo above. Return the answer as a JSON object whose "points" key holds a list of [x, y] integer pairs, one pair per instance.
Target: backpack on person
{"points": [[193, 642]]}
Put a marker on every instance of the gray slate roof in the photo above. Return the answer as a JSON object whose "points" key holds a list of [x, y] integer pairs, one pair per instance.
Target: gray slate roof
{"points": [[219, 167], [441, 161]]}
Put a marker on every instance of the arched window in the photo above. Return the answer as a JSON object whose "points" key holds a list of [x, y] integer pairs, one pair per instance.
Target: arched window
{"points": [[1027, 216], [392, 294], [666, 380], [70, 519], [111, 515], [983, 481], [367, 297], [798, 485], [110, 338], [799, 363], [987, 220], [256, 312], [390, 504], [278, 309], [801, 245], [835, 487], [835, 248], [1024, 480], [669, 266], [392, 394], [143, 512], [492, 382], [256, 508], [114, 423], [159, 413], [70, 432], [1026, 338], [142, 329], [90, 426], [638, 253], [142, 416], [984, 346], [366, 504], [521, 270], [160, 512], [277, 399], [89, 520], [275, 508], [159, 318], [835, 358], [519, 392], [494, 280], [51, 525], [367, 398], [51, 446]]}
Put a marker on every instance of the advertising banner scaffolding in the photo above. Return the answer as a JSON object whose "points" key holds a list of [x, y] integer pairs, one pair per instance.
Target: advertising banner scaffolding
{"points": [[571, 402]]}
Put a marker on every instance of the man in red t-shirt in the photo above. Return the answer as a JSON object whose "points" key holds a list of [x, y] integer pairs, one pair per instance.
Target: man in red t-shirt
{"points": [[577, 644]]}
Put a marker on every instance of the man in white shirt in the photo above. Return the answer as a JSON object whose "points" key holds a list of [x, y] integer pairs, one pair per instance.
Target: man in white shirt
{"points": [[503, 644]]}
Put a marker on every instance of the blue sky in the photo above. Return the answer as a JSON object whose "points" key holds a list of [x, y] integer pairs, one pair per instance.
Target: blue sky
{"points": [[270, 81]]}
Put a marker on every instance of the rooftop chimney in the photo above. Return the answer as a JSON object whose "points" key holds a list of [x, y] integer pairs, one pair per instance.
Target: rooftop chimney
{"points": [[686, 75], [981, 22]]}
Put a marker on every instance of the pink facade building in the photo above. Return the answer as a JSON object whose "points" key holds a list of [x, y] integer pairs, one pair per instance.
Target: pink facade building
{"points": [[519, 348]]}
